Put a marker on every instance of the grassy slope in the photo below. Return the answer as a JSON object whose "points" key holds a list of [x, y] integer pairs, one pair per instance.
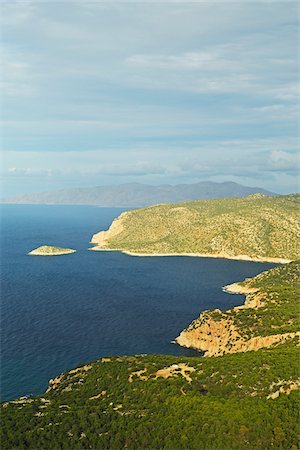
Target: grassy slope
{"points": [[257, 226], [225, 406]]}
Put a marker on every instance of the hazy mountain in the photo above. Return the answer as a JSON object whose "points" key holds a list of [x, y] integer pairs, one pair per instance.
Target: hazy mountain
{"points": [[137, 195]]}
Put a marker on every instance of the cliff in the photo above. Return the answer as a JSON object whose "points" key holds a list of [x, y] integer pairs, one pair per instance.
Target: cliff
{"points": [[268, 316], [256, 228]]}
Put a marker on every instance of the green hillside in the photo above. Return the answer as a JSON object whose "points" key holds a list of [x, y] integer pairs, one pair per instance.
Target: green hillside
{"points": [[278, 312], [256, 227], [233, 402], [225, 406]]}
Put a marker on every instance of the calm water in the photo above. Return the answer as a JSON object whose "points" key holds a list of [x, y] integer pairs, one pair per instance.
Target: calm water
{"points": [[59, 312]]}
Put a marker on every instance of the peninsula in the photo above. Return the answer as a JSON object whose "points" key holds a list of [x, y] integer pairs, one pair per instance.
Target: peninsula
{"points": [[257, 227], [48, 250]]}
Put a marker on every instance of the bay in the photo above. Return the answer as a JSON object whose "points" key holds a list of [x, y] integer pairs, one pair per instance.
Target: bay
{"points": [[60, 312]]}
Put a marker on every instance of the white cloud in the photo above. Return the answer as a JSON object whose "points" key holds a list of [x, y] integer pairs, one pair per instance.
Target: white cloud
{"points": [[287, 92], [245, 162], [142, 168], [202, 60], [149, 89], [16, 13], [21, 172], [284, 161], [16, 73], [246, 67], [283, 112]]}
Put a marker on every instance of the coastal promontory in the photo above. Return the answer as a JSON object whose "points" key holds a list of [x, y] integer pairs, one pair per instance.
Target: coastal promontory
{"points": [[49, 250], [257, 227], [268, 317]]}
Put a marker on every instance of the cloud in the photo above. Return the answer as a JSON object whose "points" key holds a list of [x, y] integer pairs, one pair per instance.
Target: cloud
{"points": [[16, 74], [16, 13], [218, 69], [225, 68], [32, 172], [288, 92], [64, 31], [142, 168], [275, 170], [284, 161], [164, 91], [205, 60]]}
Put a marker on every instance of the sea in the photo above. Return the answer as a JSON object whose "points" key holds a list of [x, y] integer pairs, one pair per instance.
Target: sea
{"points": [[62, 311]]}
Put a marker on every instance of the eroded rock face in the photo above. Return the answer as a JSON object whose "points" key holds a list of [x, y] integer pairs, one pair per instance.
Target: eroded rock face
{"points": [[216, 333], [213, 336], [101, 239], [217, 337]]}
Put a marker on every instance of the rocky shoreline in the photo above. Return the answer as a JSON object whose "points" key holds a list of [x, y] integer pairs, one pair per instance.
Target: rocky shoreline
{"points": [[216, 333]]}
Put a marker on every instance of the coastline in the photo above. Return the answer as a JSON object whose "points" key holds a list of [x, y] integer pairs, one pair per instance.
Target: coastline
{"points": [[237, 288], [216, 333], [97, 248]]}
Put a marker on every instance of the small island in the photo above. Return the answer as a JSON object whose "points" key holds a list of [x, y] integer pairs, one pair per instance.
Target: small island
{"points": [[49, 250]]}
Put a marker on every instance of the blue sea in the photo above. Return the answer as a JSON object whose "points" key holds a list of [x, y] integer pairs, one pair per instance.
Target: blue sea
{"points": [[60, 312]]}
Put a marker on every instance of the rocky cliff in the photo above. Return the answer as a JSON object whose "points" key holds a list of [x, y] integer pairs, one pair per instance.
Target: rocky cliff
{"points": [[267, 317]]}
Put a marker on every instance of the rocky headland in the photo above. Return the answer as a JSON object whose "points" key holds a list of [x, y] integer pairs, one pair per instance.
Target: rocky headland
{"points": [[256, 228], [266, 318]]}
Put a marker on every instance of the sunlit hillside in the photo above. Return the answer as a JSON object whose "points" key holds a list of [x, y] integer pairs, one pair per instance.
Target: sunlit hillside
{"points": [[256, 226]]}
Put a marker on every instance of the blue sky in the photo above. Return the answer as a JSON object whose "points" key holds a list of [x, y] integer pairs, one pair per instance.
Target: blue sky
{"points": [[159, 92]]}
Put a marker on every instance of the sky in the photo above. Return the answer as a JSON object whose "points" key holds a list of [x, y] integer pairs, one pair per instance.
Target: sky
{"points": [[99, 93]]}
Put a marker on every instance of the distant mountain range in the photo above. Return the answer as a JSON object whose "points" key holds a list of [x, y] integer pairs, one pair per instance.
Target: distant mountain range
{"points": [[134, 195]]}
